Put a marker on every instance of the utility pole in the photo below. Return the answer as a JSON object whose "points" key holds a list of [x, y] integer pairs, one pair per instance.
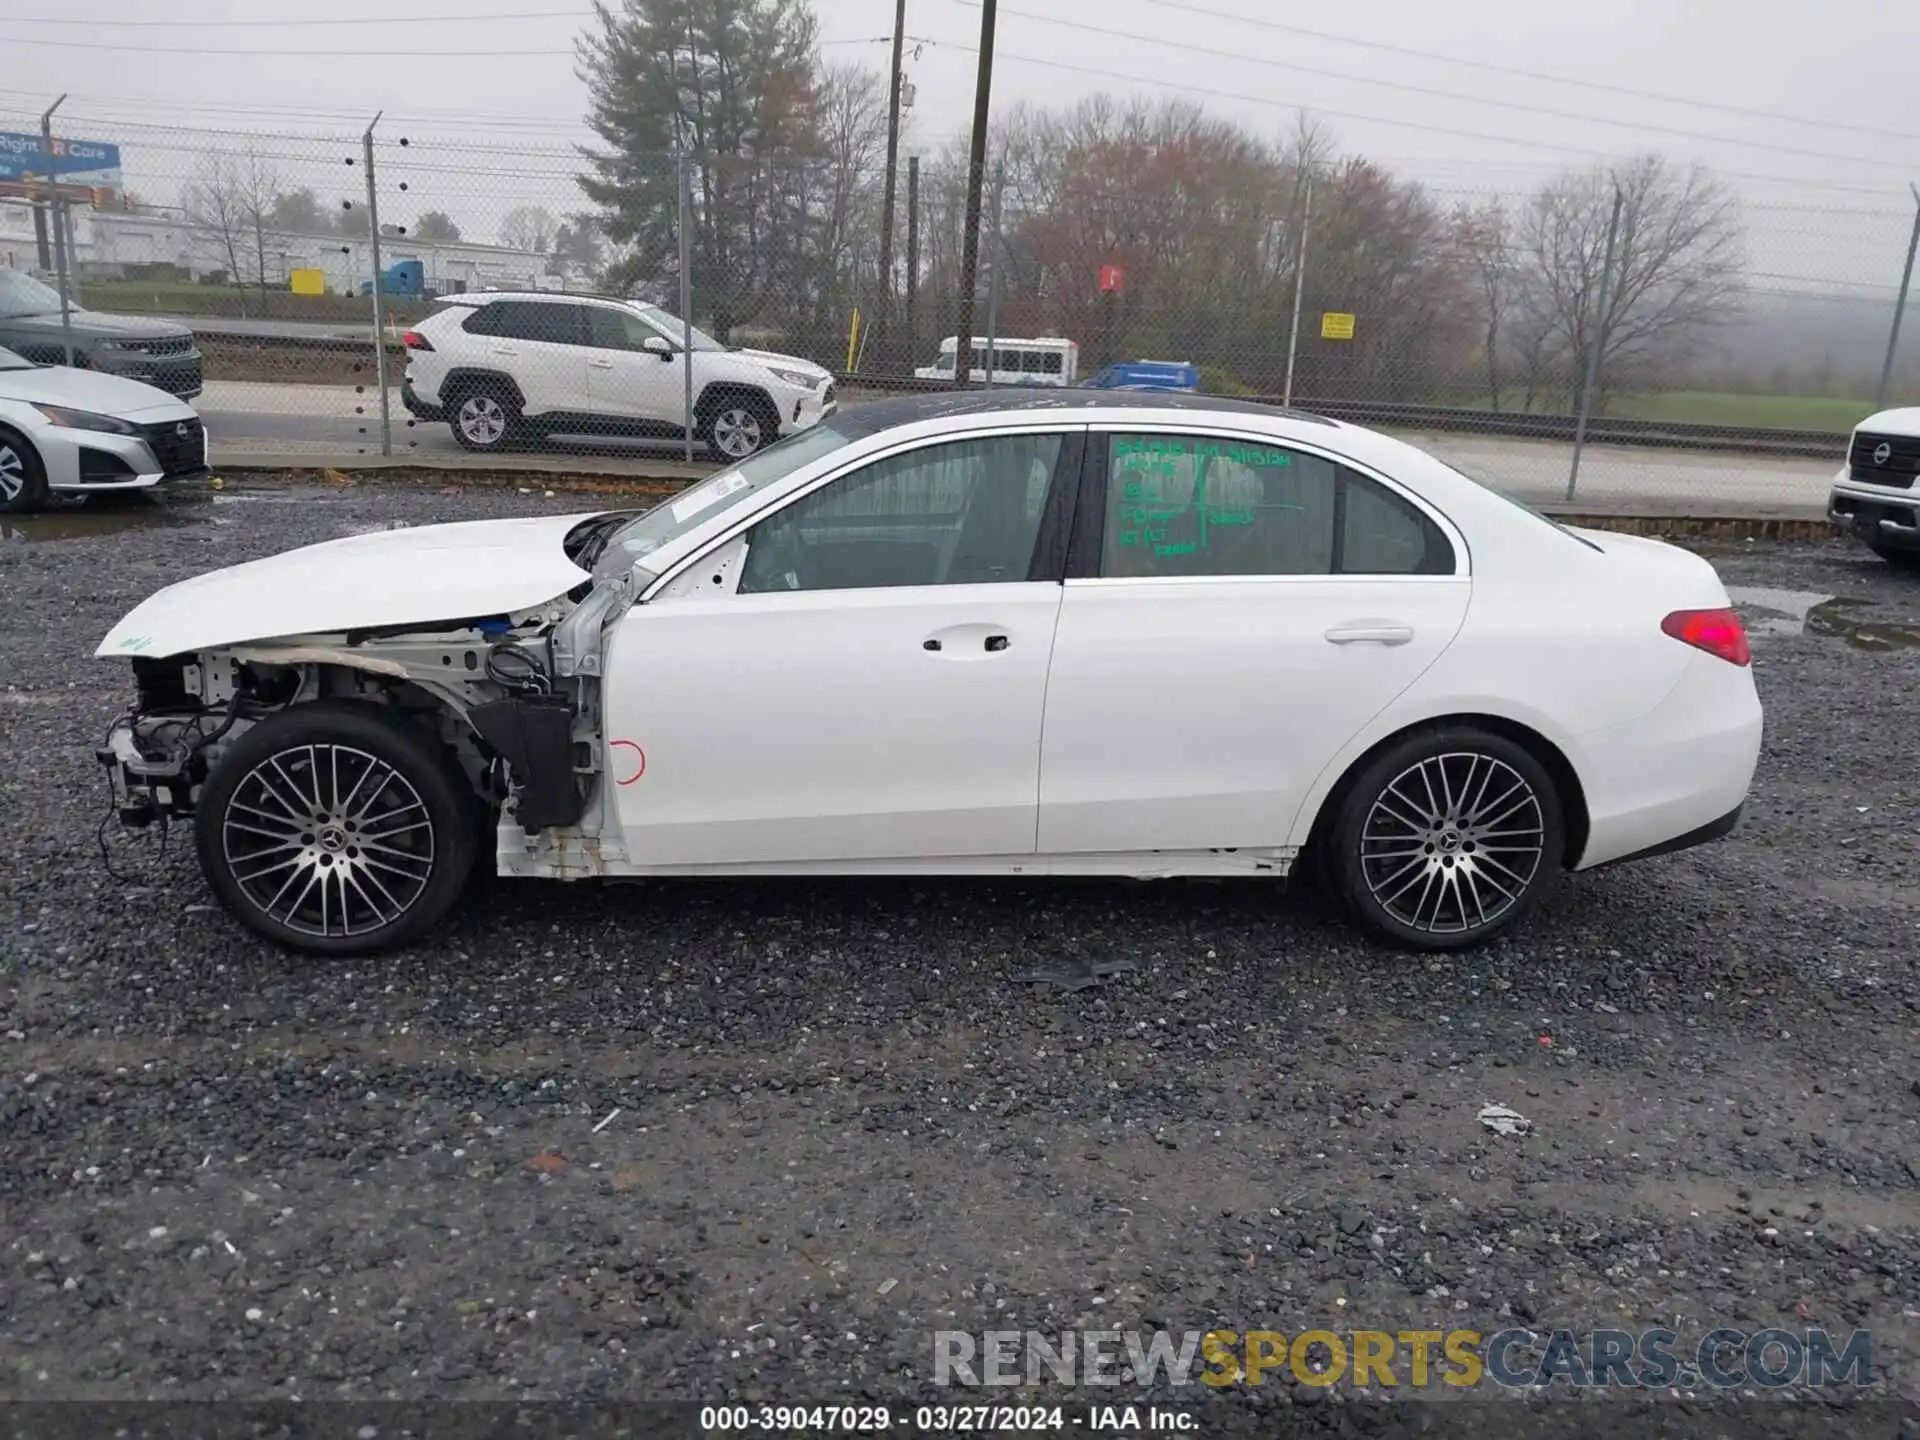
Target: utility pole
{"points": [[59, 227], [882, 311], [976, 173], [1299, 289], [913, 256], [993, 274], [1899, 304]]}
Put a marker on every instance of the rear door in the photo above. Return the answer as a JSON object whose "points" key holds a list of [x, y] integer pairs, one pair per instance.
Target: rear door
{"points": [[1235, 611], [542, 345]]}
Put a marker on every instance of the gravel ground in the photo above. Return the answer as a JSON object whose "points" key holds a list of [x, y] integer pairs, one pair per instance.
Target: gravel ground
{"points": [[842, 1123]]}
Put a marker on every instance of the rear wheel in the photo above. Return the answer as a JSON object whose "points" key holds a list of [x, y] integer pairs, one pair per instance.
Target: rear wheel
{"points": [[1446, 839], [23, 480], [486, 417], [336, 829]]}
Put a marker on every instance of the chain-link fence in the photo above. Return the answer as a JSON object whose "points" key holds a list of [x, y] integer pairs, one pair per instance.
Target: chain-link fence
{"points": [[1702, 347]]}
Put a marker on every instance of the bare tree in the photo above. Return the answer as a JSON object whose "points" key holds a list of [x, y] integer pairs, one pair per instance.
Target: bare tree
{"points": [[234, 198], [529, 227], [1676, 265], [1484, 234]]}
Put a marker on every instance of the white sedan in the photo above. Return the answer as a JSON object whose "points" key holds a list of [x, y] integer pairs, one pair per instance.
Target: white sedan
{"points": [[984, 634]]}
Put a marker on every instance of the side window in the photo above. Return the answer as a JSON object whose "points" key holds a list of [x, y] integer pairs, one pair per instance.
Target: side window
{"points": [[1381, 534], [488, 319], [552, 324], [1193, 505], [966, 512], [612, 329], [1052, 367], [1031, 363]]}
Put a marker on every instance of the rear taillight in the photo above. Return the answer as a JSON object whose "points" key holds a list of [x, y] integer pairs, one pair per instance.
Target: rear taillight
{"points": [[414, 340], [1718, 632]]}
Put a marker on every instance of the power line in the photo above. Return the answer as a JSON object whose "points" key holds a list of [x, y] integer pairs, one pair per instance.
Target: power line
{"points": [[315, 54], [1164, 44], [1420, 125], [1491, 67], [466, 18]]}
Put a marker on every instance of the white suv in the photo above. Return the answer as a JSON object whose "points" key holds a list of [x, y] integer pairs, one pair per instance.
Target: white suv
{"points": [[1876, 497], [501, 368]]}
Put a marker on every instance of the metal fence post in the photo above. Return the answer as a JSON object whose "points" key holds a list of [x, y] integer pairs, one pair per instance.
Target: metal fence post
{"points": [[1899, 305], [685, 187], [993, 272], [913, 260], [379, 299], [1598, 345], [1299, 289], [59, 228]]}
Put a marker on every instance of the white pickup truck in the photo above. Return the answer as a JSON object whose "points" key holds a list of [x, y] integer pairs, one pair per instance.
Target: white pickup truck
{"points": [[1877, 496]]}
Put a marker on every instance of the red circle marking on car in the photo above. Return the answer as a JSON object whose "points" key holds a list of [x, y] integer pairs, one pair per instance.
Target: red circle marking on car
{"points": [[617, 744]]}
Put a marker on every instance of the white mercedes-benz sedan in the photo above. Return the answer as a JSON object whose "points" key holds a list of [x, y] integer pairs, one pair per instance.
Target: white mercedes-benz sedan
{"points": [[1061, 633]]}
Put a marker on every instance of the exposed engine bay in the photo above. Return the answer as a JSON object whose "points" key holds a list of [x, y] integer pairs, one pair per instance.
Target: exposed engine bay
{"points": [[515, 698]]}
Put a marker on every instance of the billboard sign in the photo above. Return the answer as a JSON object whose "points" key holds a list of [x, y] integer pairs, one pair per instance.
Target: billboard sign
{"points": [[85, 163]]}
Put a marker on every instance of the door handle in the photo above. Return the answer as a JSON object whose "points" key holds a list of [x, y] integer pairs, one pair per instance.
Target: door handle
{"points": [[504, 350], [599, 364], [1379, 632], [997, 642]]}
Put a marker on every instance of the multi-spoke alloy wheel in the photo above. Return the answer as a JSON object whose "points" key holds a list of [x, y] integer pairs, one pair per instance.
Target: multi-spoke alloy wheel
{"points": [[737, 432], [336, 829], [1447, 838], [328, 840], [1451, 843]]}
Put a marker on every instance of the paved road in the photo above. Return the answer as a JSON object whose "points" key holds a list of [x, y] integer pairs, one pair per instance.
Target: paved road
{"points": [[276, 329], [261, 424]]}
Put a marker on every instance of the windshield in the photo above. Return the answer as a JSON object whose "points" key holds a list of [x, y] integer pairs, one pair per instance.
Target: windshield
{"points": [[1514, 501], [671, 327], [712, 497], [21, 294]]}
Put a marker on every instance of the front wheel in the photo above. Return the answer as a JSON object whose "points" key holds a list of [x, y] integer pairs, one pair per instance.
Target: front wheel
{"points": [[1446, 838], [336, 829], [736, 427], [23, 480]]}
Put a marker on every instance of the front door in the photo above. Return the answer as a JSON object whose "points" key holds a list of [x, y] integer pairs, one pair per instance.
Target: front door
{"points": [[873, 688], [1253, 608], [628, 383]]}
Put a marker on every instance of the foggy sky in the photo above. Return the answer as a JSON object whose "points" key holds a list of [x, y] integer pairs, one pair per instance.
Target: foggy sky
{"points": [[1815, 61]]}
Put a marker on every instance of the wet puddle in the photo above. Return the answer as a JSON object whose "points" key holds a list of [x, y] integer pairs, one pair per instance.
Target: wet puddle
{"points": [[91, 522], [1811, 612]]}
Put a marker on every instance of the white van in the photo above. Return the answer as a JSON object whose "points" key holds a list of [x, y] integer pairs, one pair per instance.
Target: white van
{"points": [[1044, 361]]}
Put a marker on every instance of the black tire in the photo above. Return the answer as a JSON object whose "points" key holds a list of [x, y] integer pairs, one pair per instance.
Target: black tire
{"points": [[734, 424], [1415, 824], [484, 416], [420, 814], [1899, 559], [23, 479]]}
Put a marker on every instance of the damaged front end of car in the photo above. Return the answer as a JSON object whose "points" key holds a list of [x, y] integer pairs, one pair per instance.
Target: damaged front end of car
{"points": [[514, 698]]}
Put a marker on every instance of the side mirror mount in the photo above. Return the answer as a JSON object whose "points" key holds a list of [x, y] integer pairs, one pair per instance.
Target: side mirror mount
{"points": [[656, 345]]}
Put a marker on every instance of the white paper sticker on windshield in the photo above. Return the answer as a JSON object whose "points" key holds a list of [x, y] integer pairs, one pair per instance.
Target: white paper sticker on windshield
{"points": [[708, 497]]}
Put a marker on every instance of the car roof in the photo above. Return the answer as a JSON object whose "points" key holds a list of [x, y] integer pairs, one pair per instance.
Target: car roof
{"points": [[475, 298], [857, 422]]}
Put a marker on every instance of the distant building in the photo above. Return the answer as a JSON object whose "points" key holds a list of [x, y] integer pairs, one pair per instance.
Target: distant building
{"points": [[112, 245]]}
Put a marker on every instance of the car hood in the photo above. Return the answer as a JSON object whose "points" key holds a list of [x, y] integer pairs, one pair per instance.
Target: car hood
{"points": [[1902, 421], [92, 390], [786, 362], [416, 576], [91, 325]]}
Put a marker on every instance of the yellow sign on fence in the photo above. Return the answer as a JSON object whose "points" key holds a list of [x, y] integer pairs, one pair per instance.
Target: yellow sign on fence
{"points": [[308, 282], [1335, 325]]}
